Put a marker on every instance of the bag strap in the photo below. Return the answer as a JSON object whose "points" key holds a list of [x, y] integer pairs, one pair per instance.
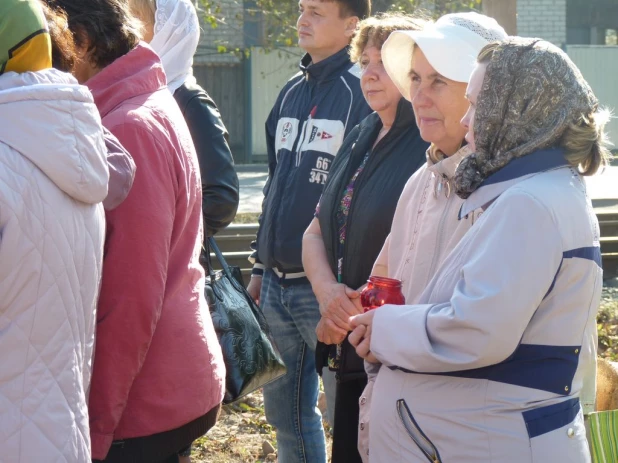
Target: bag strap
{"points": [[219, 255], [209, 268]]}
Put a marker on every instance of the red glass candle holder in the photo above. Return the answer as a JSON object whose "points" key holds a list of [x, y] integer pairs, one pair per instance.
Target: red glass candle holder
{"points": [[380, 291]]}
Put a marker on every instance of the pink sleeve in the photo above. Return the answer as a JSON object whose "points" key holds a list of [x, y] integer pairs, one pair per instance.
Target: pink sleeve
{"points": [[121, 171], [134, 279]]}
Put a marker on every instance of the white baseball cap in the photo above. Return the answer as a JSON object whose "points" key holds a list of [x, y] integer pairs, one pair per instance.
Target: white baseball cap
{"points": [[451, 46]]}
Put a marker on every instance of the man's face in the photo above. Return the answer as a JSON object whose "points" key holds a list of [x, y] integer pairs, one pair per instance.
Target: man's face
{"points": [[322, 28]]}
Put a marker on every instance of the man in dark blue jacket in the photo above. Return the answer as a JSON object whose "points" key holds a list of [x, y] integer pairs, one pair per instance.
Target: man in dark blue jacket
{"points": [[314, 112]]}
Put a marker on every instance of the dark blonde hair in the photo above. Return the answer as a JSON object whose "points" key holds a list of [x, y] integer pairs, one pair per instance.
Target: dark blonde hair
{"points": [[144, 10], [376, 29], [585, 141]]}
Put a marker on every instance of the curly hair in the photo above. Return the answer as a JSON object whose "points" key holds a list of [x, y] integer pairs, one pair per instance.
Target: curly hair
{"points": [[376, 29], [106, 26], [63, 45]]}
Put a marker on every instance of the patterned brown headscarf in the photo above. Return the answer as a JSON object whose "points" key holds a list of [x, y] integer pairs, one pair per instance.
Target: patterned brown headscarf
{"points": [[531, 93]]}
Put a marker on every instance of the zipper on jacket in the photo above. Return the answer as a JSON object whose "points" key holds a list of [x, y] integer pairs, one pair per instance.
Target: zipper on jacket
{"points": [[414, 431]]}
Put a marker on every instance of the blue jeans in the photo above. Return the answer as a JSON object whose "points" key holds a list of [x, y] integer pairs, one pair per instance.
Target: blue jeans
{"points": [[290, 402]]}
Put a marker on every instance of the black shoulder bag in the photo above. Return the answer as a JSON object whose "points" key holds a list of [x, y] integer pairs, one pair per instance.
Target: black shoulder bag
{"points": [[251, 357]]}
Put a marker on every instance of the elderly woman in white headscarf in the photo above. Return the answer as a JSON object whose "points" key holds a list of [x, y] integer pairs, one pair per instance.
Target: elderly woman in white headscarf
{"points": [[172, 29]]}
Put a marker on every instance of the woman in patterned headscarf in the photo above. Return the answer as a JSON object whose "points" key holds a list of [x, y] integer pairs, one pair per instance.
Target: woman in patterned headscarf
{"points": [[549, 104], [490, 364]]}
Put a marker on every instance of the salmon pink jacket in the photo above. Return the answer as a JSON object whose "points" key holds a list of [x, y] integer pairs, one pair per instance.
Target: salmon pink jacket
{"points": [[158, 364]]}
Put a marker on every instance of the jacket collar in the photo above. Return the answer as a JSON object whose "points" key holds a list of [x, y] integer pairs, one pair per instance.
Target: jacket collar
{"points": [[139, 72], [370, 127], [518, 170], [404, 118], [326, 69], [405, 115], [447, 167]]}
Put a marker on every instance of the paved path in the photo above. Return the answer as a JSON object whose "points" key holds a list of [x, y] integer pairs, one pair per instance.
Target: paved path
{"points": [[253, 177], [252, 180]]}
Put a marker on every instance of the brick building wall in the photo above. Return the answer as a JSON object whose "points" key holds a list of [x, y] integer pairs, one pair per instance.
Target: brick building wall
{"points": [[543, 18]]}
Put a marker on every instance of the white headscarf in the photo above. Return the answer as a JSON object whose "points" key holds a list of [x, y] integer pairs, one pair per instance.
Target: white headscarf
{"points": [[176, 35]]}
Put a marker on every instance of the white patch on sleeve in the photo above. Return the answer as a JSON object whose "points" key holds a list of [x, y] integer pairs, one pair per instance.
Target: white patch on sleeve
{"points": [[323, 135], [287, 132]]}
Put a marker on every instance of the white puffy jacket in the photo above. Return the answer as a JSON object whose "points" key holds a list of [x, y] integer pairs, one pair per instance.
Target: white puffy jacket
{"points": [[53, 176]]}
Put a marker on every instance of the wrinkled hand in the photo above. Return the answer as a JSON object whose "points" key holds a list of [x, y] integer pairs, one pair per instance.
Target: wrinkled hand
{"points": [[360, 337], [255, 288], [338, 303], [329, 333]]}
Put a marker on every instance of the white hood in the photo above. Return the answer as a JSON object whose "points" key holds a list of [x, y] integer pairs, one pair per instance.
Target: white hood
{"points": [[52, 120]]}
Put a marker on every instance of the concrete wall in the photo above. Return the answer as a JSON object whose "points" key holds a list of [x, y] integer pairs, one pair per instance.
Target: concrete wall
{"points": [[599, 66], [269, 73], [543, 18]]}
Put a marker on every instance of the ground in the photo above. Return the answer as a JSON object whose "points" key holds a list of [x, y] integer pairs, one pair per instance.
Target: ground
{"points": [[242, 434]]}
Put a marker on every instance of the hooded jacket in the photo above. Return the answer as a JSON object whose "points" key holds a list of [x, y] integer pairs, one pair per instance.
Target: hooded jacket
{"points": [[313, 114], [121, 171], [489, 363], [156, 348], [53, 177]]}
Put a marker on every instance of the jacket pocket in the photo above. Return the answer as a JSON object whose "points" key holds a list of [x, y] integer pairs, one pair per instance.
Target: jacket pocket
{"points": [[557, 433], [416, 434]]}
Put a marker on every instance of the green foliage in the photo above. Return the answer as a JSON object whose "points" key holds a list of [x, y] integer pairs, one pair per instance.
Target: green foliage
{"points": [[435, 8], [277, 18], [607, 325]]}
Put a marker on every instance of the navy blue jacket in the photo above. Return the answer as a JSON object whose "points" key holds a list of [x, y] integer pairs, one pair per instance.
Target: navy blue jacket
{"points": [[314, 112]]}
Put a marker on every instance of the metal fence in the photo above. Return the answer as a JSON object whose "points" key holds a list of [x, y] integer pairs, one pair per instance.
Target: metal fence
{"points": [[234, 241]]}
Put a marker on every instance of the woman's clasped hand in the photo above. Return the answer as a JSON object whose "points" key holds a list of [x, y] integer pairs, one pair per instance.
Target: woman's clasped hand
{"points": [[338, 303]]}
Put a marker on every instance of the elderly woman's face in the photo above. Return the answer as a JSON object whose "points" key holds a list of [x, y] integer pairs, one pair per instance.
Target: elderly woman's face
{"points": [[439, 104], [378, 88], [472, 94]]}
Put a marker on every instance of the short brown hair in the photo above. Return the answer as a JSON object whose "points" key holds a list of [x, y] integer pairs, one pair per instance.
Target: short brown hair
{"points": [[359, 8], [63, 46], [376, 29]]}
